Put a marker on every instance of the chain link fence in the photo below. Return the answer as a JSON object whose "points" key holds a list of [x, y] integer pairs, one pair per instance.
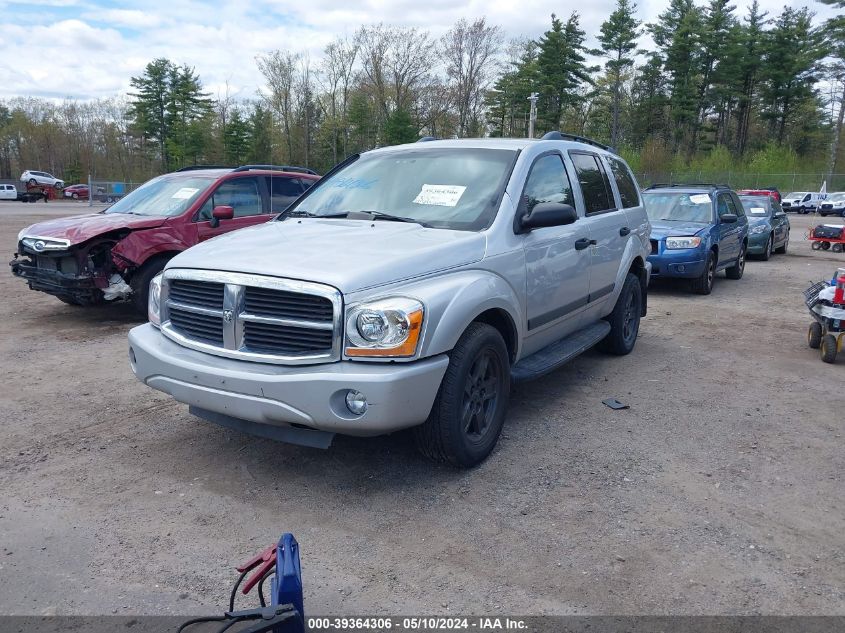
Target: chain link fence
{"points": [[108, 191], [785, 183]]}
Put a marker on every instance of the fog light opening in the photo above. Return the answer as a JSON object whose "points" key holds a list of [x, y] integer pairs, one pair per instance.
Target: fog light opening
{"points": [[132, 356], [356, 402], [682, 268]]}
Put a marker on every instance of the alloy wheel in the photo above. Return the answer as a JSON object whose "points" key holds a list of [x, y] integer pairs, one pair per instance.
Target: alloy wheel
{"points": [[481, 394]]}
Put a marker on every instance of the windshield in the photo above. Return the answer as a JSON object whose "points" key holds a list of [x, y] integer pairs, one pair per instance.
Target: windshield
{"points": [[451, 188], [755, 206], [796, 194], [673, 206], [163, 196], [836, 197]]}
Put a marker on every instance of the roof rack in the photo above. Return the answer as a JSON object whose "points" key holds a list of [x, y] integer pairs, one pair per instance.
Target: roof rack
{"points": [[688, 184], [563, 136], [196, 167], [290, 168], [425, 139]]}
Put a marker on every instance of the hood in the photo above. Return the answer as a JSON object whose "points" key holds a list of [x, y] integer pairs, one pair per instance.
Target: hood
{"points": [[79, 228], [758, 219], [664, 228], [347, 254]]}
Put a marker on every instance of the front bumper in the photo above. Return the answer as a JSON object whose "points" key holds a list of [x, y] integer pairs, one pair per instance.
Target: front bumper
{"points": [[683, 263], [80, 288], [399, 395]]}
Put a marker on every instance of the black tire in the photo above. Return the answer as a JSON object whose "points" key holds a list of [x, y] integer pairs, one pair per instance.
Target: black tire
{"points": [[140, 283], [69, 301], [825, 246], [57, 186], [836, 248], [828, 348], [814, 335], [781, 250], [704, 285], [736, 271], [625, 319], [816, 246], [767, 252], [74, 195], [469, 411], [32, 182]]}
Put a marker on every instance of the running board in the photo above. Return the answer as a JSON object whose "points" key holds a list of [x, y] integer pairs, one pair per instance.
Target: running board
{"points": [[550, 358]]}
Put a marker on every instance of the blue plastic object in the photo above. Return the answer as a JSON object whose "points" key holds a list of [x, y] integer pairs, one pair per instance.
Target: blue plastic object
{"points": [[286, 585]]}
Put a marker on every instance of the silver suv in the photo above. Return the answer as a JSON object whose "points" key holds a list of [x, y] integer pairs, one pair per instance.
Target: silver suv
{"points": [[35, 178], [407, 288]]}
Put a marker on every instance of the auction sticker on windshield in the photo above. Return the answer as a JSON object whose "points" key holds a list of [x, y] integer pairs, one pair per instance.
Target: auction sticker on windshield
{"points": [[700, 198], [440, 195], [758, 210], [184, 193]]}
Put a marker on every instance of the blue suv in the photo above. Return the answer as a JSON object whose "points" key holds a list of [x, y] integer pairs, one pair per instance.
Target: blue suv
{"points": [[696, 231]]}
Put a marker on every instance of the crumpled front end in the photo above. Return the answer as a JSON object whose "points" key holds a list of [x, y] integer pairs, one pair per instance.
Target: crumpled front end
{"points": [[82, 274]]}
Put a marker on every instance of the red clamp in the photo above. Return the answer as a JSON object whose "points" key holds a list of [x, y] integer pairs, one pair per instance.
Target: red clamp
{"points": [[264, 561]]}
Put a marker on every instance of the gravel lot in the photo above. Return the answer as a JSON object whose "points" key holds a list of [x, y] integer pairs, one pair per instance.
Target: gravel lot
{"points": [[718, 492]]}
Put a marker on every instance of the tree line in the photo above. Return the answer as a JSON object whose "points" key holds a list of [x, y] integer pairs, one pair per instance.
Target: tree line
{"points": [[716, 87]]}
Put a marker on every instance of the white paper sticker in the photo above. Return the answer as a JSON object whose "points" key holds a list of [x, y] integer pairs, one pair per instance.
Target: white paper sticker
{"points": [[440, 195], [758, 210], [700, 198], [184, 193]]}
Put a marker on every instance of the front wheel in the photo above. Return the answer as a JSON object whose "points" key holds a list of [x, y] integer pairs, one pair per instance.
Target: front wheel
{"points": [[767, 250], [828, 348], [625, 319], [74, 195], [781, 250], [735, 271], [469, 411], [32, 182], [703, 285], [814, 335], [140, 283]]}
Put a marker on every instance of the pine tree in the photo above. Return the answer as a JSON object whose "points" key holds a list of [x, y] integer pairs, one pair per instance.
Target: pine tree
{"points": [[618, 39], [562, 69], [236, 138], [261, 140]]}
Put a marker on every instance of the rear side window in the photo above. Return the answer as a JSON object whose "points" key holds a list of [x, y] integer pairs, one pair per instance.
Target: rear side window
{"points": [[594, 183], [548, 182], [628, 192], [283, 191]]}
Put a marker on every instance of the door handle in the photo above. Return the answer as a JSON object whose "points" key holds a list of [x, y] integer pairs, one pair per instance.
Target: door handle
{"points": [[624, 231], [583, 243]]}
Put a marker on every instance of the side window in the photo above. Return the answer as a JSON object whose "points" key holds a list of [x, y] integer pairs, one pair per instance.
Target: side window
{"points": [[594, 183], [548, 182], [737, 206], [241, 194], [806, 198], [283, 191], [628, 192], [725, 204], [306, 183]]}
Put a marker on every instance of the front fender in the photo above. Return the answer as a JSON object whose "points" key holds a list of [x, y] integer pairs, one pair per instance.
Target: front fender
{"points": [[139, 246], [454, 301]]}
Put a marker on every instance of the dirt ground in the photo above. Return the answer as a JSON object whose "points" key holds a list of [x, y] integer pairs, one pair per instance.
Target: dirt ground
{"points": [[720, 491]]}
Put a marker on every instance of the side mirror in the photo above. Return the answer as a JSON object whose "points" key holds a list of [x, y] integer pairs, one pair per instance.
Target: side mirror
{"points": [[222, 212], [546, 214], [728, 218]]}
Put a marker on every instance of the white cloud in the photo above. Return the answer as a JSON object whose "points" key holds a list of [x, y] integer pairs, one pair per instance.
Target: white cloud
{"points": [[93, 51]]}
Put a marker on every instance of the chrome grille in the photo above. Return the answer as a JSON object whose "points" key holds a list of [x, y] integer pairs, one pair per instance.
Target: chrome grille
{"points": [[252, 317], [201, 293], [287, 305]]}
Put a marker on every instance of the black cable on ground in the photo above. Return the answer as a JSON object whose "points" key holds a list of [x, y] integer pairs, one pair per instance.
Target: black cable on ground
{"points": [[269, 573], [235, 590]]}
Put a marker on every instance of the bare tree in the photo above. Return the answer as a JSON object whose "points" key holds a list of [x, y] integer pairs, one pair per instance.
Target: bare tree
{"points": [[279, 69], [470, 51], [337, 67]]}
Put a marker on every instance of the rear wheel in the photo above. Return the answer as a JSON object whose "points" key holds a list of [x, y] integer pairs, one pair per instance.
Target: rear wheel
{"points": [[704, 285], [814, 335], [625, 319], [735, 271], [140, 283], [469, 411], [74, 195], [836, 248], [828, 348]]}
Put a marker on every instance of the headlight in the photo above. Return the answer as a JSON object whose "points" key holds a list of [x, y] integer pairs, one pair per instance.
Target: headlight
{"points": [[154, 302], [386, 328], [682, 242], [756, 230], [41, 244]]}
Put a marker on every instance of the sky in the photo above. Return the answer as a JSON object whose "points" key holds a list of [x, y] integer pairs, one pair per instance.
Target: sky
{"points": [[86, 49]]}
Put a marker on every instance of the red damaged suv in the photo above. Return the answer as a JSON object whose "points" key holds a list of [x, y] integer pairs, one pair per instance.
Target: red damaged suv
{"points": [[111, 255]]}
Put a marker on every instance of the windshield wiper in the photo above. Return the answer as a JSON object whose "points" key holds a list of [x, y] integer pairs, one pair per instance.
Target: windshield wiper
{"points": [[307, 214], [379, 215]]}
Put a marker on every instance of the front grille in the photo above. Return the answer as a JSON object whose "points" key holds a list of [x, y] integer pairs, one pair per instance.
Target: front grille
{"points": [[827, 206], [202, 327], [201, 293], [284, 339], [287, 305], [252, 317]]}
